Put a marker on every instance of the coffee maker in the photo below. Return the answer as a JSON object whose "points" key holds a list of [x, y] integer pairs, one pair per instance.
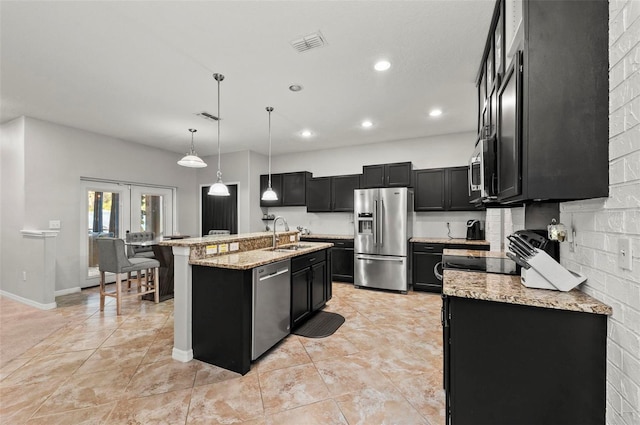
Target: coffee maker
{"points": [[475, 231]]}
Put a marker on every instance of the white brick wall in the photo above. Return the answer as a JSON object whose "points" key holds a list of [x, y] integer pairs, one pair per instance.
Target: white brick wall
{"points": [[600, 223]]}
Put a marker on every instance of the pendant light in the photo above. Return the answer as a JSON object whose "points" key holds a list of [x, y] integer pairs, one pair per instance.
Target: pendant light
{"points": [[219, 188], [191, 159], [269, 194]]}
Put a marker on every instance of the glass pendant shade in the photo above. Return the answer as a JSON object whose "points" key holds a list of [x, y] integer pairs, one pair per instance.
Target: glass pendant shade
{"points": [[219, 188], [269, 194], [191, 159]]}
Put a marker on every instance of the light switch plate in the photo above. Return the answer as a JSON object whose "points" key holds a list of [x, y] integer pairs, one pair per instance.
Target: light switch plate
{"points": [[234, 246], [292, 238], [624, 253]]}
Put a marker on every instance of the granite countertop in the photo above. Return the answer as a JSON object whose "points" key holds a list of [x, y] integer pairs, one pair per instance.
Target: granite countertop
{"points": [[218, 239], [509, 289], [473, 253], [321, 236], [447, 240], [250, 259]]}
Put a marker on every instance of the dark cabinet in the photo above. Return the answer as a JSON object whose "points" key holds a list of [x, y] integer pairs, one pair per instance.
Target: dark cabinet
{"points": [[442, 189], [319, 194], [516, 364], [342, 257], [291, 189], [427, 263], [300, 307], [331, 194], [276, 185], [310, 284], [342, 188], [550, 109], [387, 175]]}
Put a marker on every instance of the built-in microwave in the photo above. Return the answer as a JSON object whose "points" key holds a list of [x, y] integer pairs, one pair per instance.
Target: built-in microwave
{"points": [[482, 169]]}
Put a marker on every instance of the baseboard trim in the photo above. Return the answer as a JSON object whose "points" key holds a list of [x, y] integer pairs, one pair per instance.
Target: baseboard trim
{"points": [[67, 291], [41, 306], [182, 355]]}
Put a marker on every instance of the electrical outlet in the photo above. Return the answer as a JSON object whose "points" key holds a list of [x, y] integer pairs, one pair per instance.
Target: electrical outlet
{"points": [[54, 224], [624, 253]]}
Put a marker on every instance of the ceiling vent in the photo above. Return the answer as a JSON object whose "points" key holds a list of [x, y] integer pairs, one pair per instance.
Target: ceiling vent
{"points": [[208, 116], [308, 42]]}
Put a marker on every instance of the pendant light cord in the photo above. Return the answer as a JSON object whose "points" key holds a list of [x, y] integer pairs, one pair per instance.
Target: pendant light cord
{"points": [[269, 109], [219, 173]]}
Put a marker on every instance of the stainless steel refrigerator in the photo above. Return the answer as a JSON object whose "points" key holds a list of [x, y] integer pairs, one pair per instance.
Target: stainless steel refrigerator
{"points": [[383, 220]]}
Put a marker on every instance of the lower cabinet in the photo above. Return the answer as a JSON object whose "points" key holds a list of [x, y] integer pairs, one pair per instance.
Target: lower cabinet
{"points": [[517, 364], [310, 285], [342, 257], [427, 263]]}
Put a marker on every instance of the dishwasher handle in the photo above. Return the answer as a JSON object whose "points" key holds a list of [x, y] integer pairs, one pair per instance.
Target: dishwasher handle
{"points": [[269, 276]]}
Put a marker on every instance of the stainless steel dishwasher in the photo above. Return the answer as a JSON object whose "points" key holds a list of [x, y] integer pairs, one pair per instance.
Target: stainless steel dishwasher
{"points": [[271, 300]]}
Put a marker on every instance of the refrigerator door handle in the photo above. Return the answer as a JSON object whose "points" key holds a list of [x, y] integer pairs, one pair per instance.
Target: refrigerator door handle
{"points": [[366, 258], [381, 222], [375, 223]]}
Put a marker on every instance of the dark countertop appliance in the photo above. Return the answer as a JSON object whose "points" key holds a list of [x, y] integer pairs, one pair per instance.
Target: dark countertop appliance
{"points": [[480, 263], [475, 230]]}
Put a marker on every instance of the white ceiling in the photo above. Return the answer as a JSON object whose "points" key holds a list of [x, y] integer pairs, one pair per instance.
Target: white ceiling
{"points": [[140, 71]]}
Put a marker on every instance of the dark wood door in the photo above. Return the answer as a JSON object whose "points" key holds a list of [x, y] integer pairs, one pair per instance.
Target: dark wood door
{"points": [[318, 284], [509, 134], [276, 185], [299, 296], [220, 212], [342, 267], [319, 194], [373, 176], [294, 189], [458, 189], [430, 190], [398, 175], [424, 278], [342, 188]]}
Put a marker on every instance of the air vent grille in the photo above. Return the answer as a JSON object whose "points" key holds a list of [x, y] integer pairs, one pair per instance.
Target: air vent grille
{"points": [[208, 116], [308, 42]]}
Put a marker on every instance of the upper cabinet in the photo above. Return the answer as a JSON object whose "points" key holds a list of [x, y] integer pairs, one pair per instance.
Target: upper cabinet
{"points": [[442, 189], [291, 189], [543, 92], [331, 194], [387, 175]]}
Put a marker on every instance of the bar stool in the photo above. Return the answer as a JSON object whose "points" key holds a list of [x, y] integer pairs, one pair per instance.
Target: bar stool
{"points": [[113, 259]]}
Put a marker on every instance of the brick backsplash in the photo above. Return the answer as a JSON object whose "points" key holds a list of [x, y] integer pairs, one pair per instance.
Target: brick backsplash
{"points": [[600, 223]]}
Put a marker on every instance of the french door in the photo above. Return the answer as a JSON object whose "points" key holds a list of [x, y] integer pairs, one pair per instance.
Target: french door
{"points": [[111, 209]]}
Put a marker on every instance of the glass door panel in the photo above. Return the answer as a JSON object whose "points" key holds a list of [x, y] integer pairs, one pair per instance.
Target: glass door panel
{"points": [[105, 209], [152, 210]]}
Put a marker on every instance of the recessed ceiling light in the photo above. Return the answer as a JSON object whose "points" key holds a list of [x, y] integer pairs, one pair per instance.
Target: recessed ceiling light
{"points": [[295, 87], [435, 113], [306, 133], [366, 124], [382, 65]]}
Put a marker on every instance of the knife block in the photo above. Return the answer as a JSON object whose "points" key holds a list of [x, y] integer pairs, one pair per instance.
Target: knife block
{"points": [[547, 273]]}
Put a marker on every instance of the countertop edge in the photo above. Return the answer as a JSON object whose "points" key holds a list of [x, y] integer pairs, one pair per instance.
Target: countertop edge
{"points": [[508, 289], [235, 261]]}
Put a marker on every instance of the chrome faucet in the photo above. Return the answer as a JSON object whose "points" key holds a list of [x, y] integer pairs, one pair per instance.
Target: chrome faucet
{"points": [[286, 227]]}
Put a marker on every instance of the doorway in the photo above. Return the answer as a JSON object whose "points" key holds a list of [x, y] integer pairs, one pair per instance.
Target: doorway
{"points": [[219, 212], [110, 209]]}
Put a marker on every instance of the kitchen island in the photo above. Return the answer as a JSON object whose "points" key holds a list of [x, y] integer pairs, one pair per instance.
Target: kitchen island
{"points": [[227, 257], [513, 354]]}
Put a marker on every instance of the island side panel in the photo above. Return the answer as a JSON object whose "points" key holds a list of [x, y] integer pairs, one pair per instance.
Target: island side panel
{"points": [[222, 317], [182, 305]]}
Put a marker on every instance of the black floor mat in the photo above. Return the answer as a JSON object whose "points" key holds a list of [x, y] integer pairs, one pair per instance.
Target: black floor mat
{"points": [[321, 325]]}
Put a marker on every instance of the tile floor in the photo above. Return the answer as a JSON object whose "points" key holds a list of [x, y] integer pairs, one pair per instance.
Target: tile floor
{"points": [[76, 365]]}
